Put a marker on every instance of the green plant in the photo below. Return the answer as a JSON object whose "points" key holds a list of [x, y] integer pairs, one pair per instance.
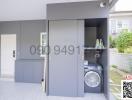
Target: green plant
{"points": [[114, 66], [123, 41], [112, 42]]}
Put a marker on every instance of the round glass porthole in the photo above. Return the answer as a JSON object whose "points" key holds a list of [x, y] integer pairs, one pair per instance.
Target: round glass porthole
{"points": [[92, 79]]}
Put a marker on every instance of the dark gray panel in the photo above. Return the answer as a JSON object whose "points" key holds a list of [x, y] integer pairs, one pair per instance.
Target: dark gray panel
{"points": [[105, 70], [78, 10], [63, 68], [10, 27], [103, 30], [90, 36], [104, 59]]}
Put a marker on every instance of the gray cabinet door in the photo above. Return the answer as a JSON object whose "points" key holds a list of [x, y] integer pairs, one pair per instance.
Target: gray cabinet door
{"points": [[29, 71], [64, 79]]}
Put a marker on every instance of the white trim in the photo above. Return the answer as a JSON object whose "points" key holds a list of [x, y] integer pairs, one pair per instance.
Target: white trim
{"points": [[43, 34]]}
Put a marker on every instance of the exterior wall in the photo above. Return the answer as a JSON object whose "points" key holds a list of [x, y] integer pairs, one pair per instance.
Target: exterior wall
{"points": [[78, 10], [125, 21], [28, 34], [9, 28], [73, 11]]}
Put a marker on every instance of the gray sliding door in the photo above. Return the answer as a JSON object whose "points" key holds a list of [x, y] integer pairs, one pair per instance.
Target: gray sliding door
{"points": [[65, 66]]}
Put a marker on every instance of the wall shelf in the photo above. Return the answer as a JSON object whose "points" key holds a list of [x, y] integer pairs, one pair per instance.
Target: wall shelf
{"points": [[92, 48], [96, 29]]}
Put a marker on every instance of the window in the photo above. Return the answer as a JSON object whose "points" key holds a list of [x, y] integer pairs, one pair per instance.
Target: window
{"points": [[43, 43], [113, 26], [119, 24]]}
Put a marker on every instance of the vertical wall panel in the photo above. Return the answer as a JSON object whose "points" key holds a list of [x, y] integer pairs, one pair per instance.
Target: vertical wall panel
{"points": [[32, 64], [30, 36], [104, 59], [80, 57], [63, 69], [28, 68]]}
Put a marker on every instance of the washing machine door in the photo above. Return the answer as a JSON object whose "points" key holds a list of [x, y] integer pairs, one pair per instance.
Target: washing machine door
{"points": [[92, 79]]}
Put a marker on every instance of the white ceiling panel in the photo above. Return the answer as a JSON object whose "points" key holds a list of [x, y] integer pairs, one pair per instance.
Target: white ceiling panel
{"points": [[12, 10]]}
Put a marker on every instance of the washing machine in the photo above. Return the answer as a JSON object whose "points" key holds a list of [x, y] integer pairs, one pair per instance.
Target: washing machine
{"points": [[93, 78]]}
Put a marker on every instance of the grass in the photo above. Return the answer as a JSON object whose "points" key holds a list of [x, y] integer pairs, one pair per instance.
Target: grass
{"points": [[116, 78], [128, 50]]}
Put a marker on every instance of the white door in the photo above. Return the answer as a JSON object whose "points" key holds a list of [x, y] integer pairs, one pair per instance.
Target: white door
{"points": [[8, 54]]}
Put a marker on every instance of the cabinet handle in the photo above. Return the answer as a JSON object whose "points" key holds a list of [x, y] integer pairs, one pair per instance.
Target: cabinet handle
{"points": [[14, 53]]}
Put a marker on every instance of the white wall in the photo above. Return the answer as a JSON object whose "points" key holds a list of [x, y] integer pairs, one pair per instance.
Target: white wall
{"points": [[126, 23]]}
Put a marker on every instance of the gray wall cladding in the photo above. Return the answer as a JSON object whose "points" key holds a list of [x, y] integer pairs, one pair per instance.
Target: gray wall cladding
{"points": [[78, 10], [28, 34], [0, 49], [30, 71], [65, 70]]}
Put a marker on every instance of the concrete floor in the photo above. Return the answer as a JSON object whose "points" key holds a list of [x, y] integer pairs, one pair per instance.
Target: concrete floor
{"points": [[10, 90]]}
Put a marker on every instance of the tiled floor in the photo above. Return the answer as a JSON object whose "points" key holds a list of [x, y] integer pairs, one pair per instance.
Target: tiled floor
{"points": [[10, 90]]}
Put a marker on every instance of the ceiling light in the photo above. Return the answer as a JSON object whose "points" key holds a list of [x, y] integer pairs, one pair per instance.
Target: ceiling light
{"points": [[102, 4]]}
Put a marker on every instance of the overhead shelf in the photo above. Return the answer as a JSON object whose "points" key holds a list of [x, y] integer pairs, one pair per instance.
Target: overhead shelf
{"points": [[92, 48]]}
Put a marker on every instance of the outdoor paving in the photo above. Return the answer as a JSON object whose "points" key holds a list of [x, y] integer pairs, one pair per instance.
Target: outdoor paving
{"points": [[10, 90]]}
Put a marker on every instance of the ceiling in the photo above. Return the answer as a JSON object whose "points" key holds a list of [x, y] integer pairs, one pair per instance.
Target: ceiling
{"points": [[62, 1], [12, 10]]}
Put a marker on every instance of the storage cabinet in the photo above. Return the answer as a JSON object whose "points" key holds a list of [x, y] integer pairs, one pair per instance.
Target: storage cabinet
{"points": [[79, 24], [96, 47], [29, 71], [66, 72], [65, 68]]}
